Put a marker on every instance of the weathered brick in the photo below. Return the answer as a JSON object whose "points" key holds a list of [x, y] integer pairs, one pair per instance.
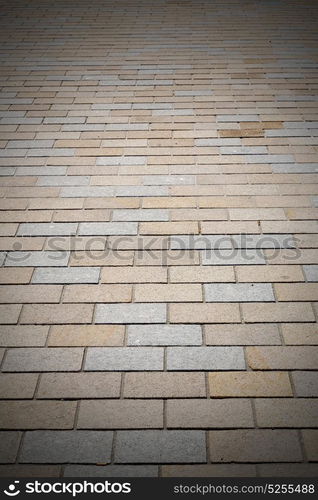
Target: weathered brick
{"points": [[79, 385], [130, 313], [164, 385], [86, 335], [42, 359], [124, 359], [249, 384], [204, 313], [37, 414], [244, 334], [205, 358], [164, 335]]}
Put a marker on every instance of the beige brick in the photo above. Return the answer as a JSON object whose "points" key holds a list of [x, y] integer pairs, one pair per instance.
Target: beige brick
{"points": [[296, 291], [229, 227], [14, 294], [17, 385], [282, 358], [164, 385], [206, 274], [28, 471], [12, 275], [244, 334], [196, 413], [196, 215], [60, 313], [23, 336], [98, 258], [170, 258], [249, 384], [97, 293], [168, 293], [168, 202], [289, 227], [269, 273], [79, 385], [289, 311], [120, 414], [300, 333], [10, 313], [168, 228], [86, 335], [37, 414], [254, 445], [284, 412], [134, 275], [204, 313], [310, 437]]}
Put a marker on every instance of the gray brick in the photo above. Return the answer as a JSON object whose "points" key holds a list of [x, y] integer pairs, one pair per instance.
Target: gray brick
{"points": [[305, 384], [121, 160], [107, 228], [164, 335], [67, 447], [218, 142], [39, 359], [289, 470], [239, 292], [48, 229], [63, 180], [111, 471], [268, 158], [201, 242], [292, 168], [37, 259], [30, 144], [311, 273], [35, 171], [243, 150], [2, 257], [141, 215], [168, 180], [297, 412], [124, 358], [232, 257], [160, 447], [87, 192], [205, 358], [255, 445], [66, 275], [131, 313], [142, 191], [9, 446]]}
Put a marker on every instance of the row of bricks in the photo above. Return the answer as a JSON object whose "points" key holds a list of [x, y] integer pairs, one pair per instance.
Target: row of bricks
{"points": [[237, 384], [157, 414], [159, 228], [292, 470], [150, 274], [158, 334], [117, 293], [159, 446], [145, 312], [154, 358], [162, 202]]}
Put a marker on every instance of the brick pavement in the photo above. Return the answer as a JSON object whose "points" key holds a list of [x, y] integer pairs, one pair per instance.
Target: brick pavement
{"points": [[158, 244]]}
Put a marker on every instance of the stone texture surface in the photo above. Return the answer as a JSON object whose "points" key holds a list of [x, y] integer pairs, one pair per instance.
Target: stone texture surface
{"points": [[158, 239]]}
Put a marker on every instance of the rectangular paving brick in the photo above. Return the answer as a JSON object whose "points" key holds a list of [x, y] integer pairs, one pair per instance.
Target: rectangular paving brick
{"points": [[29, 294], [279, 273], [310, 442], [204, 313], [196, 413], [124, 359], [164, 335], [289, 311], [200, 274], [37, 414], [164, 385], [238, 292], [276, 412], [86, 335], [311, 272], [244, 334], [9, 446], [42, 229], [282, 358], [130, 313], [305, 384], [127, 414], [10, 313], [111, 471], [249, 384], [167, 293], [107, 228], [97, 293], [134, 275], [56, 313], [168, 228], [37, 259], [23, 336], [79, 385], [296, 291], [205, 358], [160, 446], [67, 446], [18, 385], [255, 445], [43, 359]]}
